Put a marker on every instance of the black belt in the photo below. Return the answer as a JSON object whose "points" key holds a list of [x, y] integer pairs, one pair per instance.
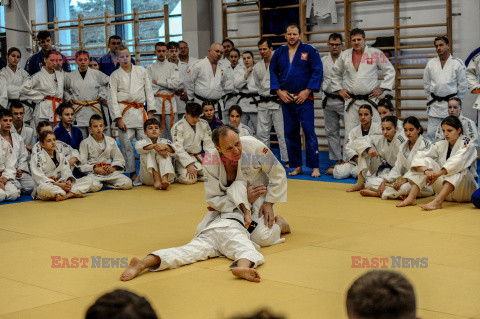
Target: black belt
{"points": [[436, 98], [250, 229], [26, 103], [211, 102], [331, 96], [271, 98], [248, 96], [364, 97]]}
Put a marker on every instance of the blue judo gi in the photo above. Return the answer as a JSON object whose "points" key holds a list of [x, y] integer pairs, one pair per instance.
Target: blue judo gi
{"points": [[305, 72], [61, 134], [106, 65], [35, 62], [215, 122]]}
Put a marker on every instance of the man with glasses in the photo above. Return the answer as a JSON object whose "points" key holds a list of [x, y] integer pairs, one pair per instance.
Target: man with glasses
{"points": [[36, 62], [109, 62], [332, 103]]}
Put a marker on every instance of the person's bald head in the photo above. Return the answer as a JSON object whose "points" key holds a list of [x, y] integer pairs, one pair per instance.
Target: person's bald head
{"points": [[215, 52]]}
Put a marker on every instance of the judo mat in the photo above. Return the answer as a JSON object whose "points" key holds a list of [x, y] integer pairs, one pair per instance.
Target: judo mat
{"points": [[333, 233]]}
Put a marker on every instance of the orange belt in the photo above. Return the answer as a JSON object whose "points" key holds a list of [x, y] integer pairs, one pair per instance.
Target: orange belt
{"points": [[54, 178], [197, 156], [54, 100], [166, 97], [135, 105], [102, 164], [90, 104]]}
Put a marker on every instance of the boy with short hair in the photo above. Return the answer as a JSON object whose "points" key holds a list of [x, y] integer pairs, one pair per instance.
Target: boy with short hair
{"points": [[191, 136], [156, 167], [65, 131], [101, 158], [27, 133], [130, 88]]}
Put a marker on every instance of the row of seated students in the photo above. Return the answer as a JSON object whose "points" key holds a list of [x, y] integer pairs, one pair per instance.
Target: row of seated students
{"points": [[393, 160], [61, 153]]}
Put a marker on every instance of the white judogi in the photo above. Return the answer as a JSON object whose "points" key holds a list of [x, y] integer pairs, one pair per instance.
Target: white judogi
{"points": [[469, 130], [136, 87], [379, 166], [244, 130], [46, 90], [25, 182], [442, 82], [14, 82], [350, 169], [257, 165], [3, 95], [333, 111], [152, 160], [83, 92], [7, 170], [67, 151], [361, 82], [167, 76], [461, 168], [249, 105], [269, 111], [182, 72], [201, 84], [27, 134], [188, 145], [473, 77], [402, 166], [93, 153], [45, 173]]}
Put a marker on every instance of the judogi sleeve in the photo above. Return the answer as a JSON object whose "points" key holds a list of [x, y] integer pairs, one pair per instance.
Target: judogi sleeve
{"points": [[277, 178], [190, 79], [471, 73], [388, 73], [208, 145], [113, 102], [182, 155], [214, 195], [315, 82], [148, 91], [274, 64], [3, 93], [361, 144], [85, 167], [139, 145], [239, 78], [27, 92], [462, 83], [35, 168], [103, 80], [337, 73], [349, 148], [423, 158], [173, 82], [462, 159], [427, 81], [67, 93]]}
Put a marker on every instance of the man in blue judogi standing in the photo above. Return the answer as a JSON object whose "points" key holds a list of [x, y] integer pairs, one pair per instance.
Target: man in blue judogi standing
{"points": [[296, 72]]}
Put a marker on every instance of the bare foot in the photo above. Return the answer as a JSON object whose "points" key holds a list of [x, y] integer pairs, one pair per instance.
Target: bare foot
{"points": [[157, 184], [59, 198], [432, 205], [355, 188], [249, 274], [296, 171], [329, 171], [407, 202], [133, 176], [78, 195], [287, 165], [367, 192], [165, 184], [316, 173], [284, 226], [134, 268]]}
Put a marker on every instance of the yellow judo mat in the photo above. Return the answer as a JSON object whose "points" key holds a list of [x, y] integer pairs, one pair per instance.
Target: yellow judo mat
{"points": [[305, 277]]}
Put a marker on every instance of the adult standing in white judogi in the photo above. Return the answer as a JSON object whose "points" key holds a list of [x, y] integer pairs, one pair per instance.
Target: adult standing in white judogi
{"points": [[165, 81], [84, 88], [332, 103], [14, 77], [23, 179], [183, 62], [206, 80], [45, 88], [260, 176], [443, 78], [130, 88], [269, 110], [355, 77]]}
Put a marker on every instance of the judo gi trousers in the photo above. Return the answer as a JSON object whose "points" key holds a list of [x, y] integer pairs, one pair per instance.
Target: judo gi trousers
{"points": [[155, 162], [250, 119], [10, 193], [230, 239], [295, 115], [391, 193], [267, 119], [126, 146], [48, 191], [114, 180], [432, 125], [463, 182], [333, 113], [345, 170]]}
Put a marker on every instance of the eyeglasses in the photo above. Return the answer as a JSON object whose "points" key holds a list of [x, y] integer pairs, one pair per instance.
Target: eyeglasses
{"points": [[44, 41], [335, 44]]}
